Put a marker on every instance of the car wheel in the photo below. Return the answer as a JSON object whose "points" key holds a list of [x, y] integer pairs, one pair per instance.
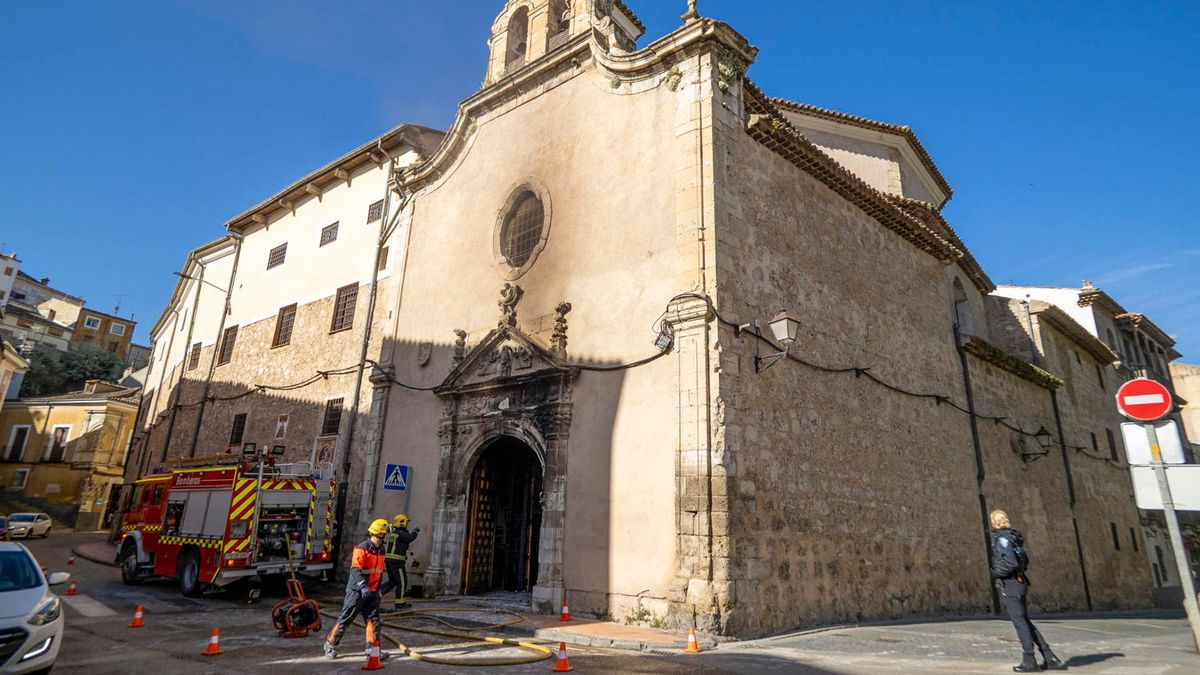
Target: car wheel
{"points": [[46, 533], [129, 565], [189, 574]]}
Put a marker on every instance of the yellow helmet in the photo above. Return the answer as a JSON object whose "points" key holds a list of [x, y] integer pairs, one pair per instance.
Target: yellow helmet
{"points": [[400, 520], [378, 526]]}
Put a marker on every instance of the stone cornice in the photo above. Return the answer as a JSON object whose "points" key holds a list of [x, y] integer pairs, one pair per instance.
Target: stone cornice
{"points": [[1144, 324], [1071, 329], [989, 353], [768, 126]]}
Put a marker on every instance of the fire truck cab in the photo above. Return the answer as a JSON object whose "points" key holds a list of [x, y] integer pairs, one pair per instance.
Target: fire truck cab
{"points": [[211, 526]]}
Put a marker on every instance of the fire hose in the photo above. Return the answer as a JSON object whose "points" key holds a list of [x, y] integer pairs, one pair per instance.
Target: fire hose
{"points": [[540, 652]]}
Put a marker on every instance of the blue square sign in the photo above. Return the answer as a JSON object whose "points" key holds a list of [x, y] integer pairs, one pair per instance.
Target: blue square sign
{"points": [[396, 477]]}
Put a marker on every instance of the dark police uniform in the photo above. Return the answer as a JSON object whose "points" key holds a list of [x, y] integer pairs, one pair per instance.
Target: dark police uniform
{"points": [[1008, 569], [362, 591], [397, 555]]}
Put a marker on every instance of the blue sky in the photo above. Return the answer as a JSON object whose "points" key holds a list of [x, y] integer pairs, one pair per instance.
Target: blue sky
{"points": [[131, 131]]}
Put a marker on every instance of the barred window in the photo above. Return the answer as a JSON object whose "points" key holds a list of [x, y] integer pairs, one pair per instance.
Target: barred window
{"points": [[227, 341], [283, 326], [343, 308], [375, 211], [332, 421], [277, 256], [194, 360], [522, 229], [329, 234], [239, 429]]}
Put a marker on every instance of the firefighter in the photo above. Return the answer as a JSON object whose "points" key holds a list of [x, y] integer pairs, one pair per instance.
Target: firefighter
{"points": [[397, 556], [362, 589], [1009, 561]]}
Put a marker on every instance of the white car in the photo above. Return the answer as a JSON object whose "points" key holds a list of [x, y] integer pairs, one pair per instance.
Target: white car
{"points": [[28, 525], [31, 615]]}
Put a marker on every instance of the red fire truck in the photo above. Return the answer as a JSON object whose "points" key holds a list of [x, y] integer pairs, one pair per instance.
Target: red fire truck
{"points": [[215, 525]]}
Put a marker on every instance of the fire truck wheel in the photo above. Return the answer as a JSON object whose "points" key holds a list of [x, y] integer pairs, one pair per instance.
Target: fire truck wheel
{"points": [[189, 574], [129, 565]]}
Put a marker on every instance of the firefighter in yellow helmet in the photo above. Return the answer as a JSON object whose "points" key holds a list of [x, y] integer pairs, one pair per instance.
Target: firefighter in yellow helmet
{"points": [[396, 558], [362, 589]]}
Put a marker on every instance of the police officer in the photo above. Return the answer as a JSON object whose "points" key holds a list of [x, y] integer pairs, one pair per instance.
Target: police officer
{"points": [[1009, 561], [362, 589], [397, 555]]}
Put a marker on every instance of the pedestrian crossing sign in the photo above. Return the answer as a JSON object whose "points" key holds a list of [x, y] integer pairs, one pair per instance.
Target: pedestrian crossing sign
{"points": [[396, 477]]}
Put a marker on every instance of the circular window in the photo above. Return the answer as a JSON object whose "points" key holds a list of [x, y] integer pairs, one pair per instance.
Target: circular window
{"points": [[522, 229]]}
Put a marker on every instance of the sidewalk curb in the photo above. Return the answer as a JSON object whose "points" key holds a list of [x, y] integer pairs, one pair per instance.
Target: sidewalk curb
{"points": [[92, 559]]}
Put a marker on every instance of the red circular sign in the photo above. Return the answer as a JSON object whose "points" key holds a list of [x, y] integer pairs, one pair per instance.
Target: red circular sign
{"points": [[1143, 400]]}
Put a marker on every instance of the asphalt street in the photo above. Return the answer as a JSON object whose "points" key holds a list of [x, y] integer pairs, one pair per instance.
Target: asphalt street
{"points": [[98, 639]]}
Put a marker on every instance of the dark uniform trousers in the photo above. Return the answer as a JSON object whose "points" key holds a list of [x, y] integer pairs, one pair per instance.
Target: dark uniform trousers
{"points": [[1014, 591], [357, 601], [396, 579]]}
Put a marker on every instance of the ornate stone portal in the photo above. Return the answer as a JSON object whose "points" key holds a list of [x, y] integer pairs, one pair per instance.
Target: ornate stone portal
{"points": [[505, 387]]}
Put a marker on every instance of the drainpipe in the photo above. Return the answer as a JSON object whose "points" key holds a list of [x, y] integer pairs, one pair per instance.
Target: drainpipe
{"points": [[1062, 445], [979, 472], [183, 363], [212, 362], [372, 462]]}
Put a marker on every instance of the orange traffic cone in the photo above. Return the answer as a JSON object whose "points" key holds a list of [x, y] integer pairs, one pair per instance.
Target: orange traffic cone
{"points": [[566, 612], [214, 644], [693, 647], [71, 561], [373, 659], [563, 665], [71, 590], [137, 618]]}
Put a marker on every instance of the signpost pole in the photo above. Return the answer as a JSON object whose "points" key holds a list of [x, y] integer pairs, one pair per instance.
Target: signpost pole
{"points": [[1181, 560]]}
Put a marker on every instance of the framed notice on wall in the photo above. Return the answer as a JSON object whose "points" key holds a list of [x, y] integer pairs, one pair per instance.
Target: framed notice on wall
{"points": [[324, 449], [281, 424]]}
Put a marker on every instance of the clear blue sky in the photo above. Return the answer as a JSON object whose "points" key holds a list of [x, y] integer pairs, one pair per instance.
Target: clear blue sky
{"points": [[131, 131]]}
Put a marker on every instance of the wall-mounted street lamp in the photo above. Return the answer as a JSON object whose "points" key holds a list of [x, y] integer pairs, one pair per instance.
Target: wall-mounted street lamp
{"points": [[784, 329], [1044, 440]]}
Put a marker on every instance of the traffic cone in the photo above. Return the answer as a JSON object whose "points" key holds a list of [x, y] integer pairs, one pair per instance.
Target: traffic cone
{"points": [[71, 590], [137, 618], [70, 561], [563, 665], [373, 662], [214, 644], [566, 612], [693, 647]]}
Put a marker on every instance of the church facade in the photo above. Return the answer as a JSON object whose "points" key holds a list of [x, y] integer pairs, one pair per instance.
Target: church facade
{"points": [[572, 354]]}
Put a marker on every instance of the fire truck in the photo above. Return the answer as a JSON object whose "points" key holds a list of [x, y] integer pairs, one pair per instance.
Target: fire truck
{"points": [[212, 526]]}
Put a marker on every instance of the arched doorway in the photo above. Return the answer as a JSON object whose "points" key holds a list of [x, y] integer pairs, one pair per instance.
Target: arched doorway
{"points": [[504, 519]]}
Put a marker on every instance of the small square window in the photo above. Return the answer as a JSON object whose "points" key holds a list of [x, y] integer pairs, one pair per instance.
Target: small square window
{"points": [[117, 329], [277, 256], [194, 359], [332, 420], [92, 322], [375, 211], [8, 271], [227, 342], [19, 478], [329, 234], [283, 326], [238, 430], [343, 308]]}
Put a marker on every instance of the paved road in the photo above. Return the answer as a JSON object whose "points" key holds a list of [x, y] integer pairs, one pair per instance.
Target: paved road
{"points": [[98, 640]]}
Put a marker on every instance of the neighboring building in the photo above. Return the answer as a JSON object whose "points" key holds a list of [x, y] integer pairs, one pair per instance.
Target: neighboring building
{"points": [[138, 356], [596, 191], [53, 304], [1186, 378], [65, 454], [27, 329], [103, 330], [12, 370], [9, 267]]}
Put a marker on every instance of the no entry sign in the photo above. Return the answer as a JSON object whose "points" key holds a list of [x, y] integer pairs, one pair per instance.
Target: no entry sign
{"points": [[1143, 400]]}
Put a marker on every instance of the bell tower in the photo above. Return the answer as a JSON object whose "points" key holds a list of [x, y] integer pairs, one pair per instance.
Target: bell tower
{"points": [[525, 30]]}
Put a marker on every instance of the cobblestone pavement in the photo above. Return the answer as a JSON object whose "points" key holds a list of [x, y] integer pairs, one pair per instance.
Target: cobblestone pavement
{"points": [[98, 640]]}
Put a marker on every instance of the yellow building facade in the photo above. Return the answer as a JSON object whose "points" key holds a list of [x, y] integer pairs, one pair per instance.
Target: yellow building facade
{"points": [[64, 454]]}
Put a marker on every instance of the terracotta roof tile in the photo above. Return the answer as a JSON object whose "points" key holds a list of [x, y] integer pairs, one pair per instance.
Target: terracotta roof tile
{"points": [[629, 13]]}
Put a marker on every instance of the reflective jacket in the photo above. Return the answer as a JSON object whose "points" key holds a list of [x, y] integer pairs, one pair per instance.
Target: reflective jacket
{"points": [[398, 540], [366, 567]]}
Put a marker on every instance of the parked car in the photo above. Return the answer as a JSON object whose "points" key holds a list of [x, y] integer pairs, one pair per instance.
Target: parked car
{"points": [[28, 525], [3, 528], [31, 615]]}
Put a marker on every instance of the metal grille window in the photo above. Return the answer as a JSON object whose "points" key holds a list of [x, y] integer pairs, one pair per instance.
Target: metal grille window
{"points": [[283, 326], [329, 234], [239, 429], [343, 308], [227, 341], [277, 256], [332, 421], [194, 359], [375, 211], [522, 229]]}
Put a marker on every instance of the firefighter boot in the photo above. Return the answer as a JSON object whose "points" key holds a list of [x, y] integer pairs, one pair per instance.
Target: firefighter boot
{"points": [[1027, 665], [1053, 662], [330, 650]]}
